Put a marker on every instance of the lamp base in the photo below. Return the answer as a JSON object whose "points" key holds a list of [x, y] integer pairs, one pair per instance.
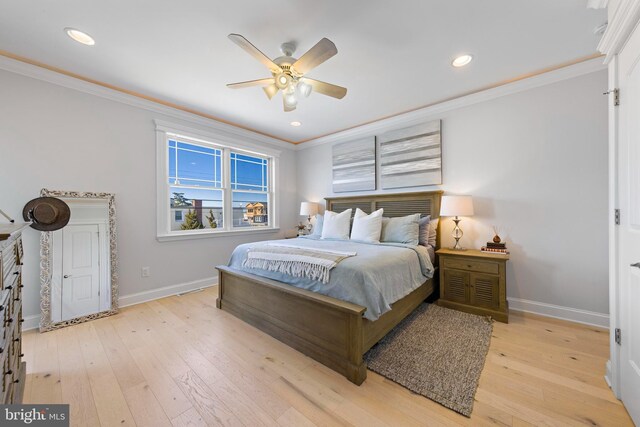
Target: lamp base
{"points": [[457, 235]]}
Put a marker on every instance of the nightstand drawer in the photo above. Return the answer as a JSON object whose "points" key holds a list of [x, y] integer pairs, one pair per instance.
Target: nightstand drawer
{"points": [[472, 265]]}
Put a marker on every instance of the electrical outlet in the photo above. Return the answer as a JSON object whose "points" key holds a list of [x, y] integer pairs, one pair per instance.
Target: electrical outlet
{"points": [[146, 271]]}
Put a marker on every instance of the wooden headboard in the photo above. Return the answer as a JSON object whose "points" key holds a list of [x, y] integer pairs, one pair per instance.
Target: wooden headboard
{"points": [[394, 205]]}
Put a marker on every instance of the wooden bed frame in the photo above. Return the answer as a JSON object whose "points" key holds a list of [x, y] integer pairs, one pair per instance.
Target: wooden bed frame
{"points": [[327, 329]]}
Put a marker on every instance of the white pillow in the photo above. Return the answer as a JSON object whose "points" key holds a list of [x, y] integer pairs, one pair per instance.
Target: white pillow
{"points": [[336, 225], [367, 228]]}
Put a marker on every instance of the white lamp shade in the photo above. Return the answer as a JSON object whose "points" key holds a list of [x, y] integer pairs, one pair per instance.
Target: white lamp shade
{"points": [[308, 208], [456, 206]]}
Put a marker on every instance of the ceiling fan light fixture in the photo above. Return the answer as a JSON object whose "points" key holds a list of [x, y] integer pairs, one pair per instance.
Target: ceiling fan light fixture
{"points": [[295, 124], [304, 88], [80, 36], [282, 80], [290, 99], [462, 60]]}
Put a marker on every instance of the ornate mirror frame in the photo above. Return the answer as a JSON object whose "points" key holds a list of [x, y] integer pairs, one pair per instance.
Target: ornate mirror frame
{"points": [[46, 268]]}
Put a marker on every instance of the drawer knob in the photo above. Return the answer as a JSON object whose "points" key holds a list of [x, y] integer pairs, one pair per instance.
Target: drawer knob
{"points": [[16, 272], [21, 355], [1, 350], [21, 286], [21, 320], [1, 307], [16, 299], [16, 340], [16, 381], [9, 372], [9, 287], [10, 320]]}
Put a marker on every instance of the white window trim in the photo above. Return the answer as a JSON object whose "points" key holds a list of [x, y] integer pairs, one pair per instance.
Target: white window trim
{"points": [[166, 129]]}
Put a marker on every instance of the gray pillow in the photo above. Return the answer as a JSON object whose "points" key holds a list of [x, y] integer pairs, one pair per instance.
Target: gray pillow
{"points": [[403, 229], [433, 232], [423, 230], [317, 228]]}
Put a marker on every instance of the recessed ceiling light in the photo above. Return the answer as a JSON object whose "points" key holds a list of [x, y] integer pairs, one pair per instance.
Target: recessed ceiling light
{"points": [[461, 60], [295, 124], [79, 36]]}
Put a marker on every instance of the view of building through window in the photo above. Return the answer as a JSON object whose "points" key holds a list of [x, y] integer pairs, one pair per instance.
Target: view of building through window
{"points": [[197, 191]]}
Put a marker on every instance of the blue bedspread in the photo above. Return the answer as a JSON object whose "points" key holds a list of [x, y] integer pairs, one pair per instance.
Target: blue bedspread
{"points": [[378, 276]]}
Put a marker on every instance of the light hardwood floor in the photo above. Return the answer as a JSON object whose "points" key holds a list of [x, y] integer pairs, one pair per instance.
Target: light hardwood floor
{"points": [[180, 361]]}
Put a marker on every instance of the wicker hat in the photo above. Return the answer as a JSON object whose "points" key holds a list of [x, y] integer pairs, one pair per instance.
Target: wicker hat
{"points": [[47, 213]]}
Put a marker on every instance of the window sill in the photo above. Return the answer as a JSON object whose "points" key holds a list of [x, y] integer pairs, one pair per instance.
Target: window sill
{"points": [[188, 235]]}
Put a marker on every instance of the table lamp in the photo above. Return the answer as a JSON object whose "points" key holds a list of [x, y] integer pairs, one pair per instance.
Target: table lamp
{"points": [[308, 209], [456, 206]]}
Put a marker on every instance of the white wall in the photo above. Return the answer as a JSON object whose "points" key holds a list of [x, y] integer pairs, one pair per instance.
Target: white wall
{"points": [[63, 139], [536, 164]]}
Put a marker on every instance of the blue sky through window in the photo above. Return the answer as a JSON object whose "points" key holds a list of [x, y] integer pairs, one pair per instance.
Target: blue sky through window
{"points": [[198, 166], [195, 165]]}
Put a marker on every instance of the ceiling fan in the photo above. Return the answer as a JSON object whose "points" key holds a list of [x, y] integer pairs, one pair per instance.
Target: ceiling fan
{"points": [[288, 73]]}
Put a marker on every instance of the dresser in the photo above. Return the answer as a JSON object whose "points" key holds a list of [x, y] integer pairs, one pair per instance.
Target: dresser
{"points": [[11, 259], [475, 282]]}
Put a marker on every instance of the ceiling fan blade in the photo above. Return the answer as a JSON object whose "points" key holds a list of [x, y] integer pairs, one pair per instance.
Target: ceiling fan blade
{"points": [[271, 90], [255, 52], [286, 107], [315, 56], [251, 83], [328, 89]]}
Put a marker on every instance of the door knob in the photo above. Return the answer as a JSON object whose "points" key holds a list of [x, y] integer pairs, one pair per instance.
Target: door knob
{"points": [[66, 276], [637, 265]]}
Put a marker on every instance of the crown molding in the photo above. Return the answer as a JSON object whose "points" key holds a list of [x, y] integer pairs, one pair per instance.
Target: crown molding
{"points": [[33, 69], [591, 65], [40, 72], [624, 20]]}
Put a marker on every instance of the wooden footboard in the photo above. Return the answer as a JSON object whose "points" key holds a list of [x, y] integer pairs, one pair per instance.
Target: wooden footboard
{"points": [[326, 329], [329, 330]]}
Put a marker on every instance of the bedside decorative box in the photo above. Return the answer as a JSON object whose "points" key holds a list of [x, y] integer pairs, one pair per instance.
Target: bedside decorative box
{"points": [[475, 282]]}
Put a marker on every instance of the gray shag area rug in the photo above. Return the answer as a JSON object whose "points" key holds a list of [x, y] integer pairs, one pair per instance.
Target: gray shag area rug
{"points": [[436, 352]]}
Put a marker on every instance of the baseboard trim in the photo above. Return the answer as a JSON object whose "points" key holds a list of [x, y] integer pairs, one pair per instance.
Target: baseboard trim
{"points": [[515, 304], [33, 321], [559, 312], [167, 291]]}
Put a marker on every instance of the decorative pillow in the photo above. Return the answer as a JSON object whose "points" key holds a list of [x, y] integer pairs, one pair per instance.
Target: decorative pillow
{"points": [[336, 225], [433, 232], [317, 227], [367, 228], [423, 230], [403, 229]]}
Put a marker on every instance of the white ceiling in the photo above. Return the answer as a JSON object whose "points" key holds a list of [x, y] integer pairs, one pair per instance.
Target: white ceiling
{"points": [[392, 56]]}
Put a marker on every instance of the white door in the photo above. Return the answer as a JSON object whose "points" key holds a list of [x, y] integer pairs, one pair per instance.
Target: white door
{"points": [[80, 271], [629, 231]]}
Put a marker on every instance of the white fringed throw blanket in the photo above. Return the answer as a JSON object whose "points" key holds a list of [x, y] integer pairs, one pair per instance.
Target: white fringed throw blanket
{"points": [[293, 260]]}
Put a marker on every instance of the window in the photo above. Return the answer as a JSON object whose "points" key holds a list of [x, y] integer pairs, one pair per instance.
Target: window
{"points": [[250, 190], [195, 186], [209, 188]]}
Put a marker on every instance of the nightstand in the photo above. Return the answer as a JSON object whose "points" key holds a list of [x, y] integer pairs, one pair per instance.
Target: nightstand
{"points": [[475, 282]]}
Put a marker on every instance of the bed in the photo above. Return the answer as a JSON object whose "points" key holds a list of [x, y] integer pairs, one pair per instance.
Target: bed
{"points": [[330, 330]]}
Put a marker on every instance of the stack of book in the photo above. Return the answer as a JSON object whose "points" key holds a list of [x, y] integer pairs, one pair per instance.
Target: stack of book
{"points": [[500, 248]]}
